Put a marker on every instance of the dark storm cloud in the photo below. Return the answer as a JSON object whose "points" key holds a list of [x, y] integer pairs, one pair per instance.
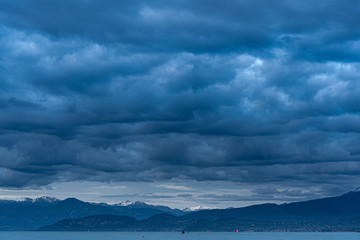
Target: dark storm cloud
{"points": [[242, 91], [192, 26]]}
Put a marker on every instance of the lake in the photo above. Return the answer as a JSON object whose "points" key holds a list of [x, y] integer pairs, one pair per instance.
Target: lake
{"points": [[174, 236]]}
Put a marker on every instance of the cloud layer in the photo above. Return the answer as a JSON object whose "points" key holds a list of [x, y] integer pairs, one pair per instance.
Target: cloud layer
{"points": [[242, 91]]}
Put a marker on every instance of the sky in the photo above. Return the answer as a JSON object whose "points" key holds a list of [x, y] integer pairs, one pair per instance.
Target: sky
{"points": [[179, 102]]}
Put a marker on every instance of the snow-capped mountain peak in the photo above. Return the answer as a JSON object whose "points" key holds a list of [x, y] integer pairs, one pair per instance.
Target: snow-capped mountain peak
{"points": [[131, 203], [45, 199], [123, 204], [197, 208]]}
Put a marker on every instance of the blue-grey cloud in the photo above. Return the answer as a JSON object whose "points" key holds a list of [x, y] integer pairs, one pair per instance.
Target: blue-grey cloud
{"points": [[242, 91]]}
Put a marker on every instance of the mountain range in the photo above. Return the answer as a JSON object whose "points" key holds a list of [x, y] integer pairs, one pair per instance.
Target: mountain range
{"points": [[33, 213], [332, 208], [340, 213]]}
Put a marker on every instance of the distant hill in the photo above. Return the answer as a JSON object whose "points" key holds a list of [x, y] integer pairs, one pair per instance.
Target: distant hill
{"points": [[165, 222], [34, 213], [95, 223], [341, 207]]}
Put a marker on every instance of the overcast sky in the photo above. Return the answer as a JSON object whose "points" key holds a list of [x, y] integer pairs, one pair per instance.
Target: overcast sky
{"points": [[180, 102]]}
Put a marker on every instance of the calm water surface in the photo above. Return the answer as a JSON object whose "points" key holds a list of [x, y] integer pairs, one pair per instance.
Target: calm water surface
{"points": [[174, 236]]}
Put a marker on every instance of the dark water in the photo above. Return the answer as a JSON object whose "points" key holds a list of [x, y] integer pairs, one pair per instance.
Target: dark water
{"points": [[174, 236]]}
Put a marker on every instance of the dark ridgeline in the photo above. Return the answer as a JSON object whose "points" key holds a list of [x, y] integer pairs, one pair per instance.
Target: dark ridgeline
{"points": [[340, 213], [169, 223], [96, 223], [341, 207]]}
